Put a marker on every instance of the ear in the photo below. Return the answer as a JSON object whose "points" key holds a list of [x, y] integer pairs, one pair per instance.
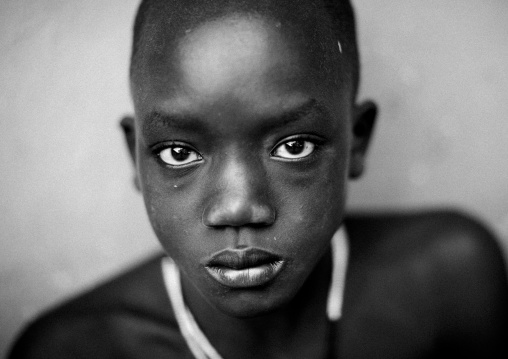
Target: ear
{"points": [[364, 117], [129, 130]]}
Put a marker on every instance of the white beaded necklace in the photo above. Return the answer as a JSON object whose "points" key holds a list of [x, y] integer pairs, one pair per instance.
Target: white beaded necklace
{"points": [[196, 339]]}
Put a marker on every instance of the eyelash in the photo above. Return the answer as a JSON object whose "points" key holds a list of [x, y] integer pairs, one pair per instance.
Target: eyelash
{"points": [[158, 151], [314, 142], [311, 141]]}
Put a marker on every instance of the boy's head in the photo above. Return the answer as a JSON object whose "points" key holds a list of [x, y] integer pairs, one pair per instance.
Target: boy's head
{"points": [[159, 22], [245, 134]]}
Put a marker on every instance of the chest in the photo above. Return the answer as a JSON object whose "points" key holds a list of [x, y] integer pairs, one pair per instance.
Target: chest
{"points": [[388, 312]]}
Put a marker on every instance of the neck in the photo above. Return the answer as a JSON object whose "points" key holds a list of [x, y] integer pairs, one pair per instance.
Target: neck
{"points": [[298, 329]]}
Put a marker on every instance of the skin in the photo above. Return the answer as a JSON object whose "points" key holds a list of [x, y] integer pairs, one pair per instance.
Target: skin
{"points": [[238, 90], [241, 88], [232, 91]]}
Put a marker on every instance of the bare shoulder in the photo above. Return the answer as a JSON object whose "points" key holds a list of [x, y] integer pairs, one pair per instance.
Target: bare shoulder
{"points": [[450, 239], [443, 269], [108, 321]]}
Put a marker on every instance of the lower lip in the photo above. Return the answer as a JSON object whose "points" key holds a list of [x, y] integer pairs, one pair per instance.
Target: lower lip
{"points": [[246, 277]]}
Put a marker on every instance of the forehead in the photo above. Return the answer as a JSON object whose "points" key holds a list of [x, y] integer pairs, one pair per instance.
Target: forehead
{"points": [[230, 51], [264, 53]]}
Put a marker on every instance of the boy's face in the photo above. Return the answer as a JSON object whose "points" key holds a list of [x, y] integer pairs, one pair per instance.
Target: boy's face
{"points": [[243, 142]]}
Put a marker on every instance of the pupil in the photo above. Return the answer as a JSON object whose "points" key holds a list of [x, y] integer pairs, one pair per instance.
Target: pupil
{"points": [[295, 147], [179, 153]]}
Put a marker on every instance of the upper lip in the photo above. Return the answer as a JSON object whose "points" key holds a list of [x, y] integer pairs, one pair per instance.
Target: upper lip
{"points": [[241, 258]]}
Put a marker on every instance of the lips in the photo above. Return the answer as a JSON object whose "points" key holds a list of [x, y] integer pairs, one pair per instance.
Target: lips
{"points": [[244, 268]]}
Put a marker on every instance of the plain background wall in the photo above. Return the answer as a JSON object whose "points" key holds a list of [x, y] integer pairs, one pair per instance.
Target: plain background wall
{"points": [[69, 215]]}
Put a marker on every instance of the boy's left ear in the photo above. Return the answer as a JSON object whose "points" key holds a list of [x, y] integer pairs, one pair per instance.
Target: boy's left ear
{"points": [[364, 118]]}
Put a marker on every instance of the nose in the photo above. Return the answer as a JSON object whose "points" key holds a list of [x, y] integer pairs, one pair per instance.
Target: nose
{"points": [[239, 197]]}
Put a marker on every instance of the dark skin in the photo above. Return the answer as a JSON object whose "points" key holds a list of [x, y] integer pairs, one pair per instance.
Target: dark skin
{"points": [[430, 284], [242, 140]]}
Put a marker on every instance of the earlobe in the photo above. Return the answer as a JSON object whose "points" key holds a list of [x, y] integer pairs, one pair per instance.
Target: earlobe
{"points": [[129, 130], [364, 118]]}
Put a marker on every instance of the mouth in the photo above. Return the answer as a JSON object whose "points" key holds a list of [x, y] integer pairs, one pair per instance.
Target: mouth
{"points": [[244, 268]]}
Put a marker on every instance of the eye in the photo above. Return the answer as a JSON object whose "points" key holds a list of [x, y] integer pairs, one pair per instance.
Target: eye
{"points": [[294, 149], [179, 156]]}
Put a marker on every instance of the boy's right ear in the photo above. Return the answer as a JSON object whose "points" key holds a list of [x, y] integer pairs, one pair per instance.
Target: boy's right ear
{"points": [[129, 130]]}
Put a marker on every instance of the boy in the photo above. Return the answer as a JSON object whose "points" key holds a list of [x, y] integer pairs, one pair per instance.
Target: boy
{"points": [[246, 131]]}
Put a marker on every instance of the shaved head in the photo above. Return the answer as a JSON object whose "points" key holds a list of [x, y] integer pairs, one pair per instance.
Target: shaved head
{"points": [[244, 131], [326, 28]]}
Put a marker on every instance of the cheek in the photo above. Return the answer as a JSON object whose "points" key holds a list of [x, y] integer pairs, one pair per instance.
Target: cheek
{"points": [[321, 190], [313, 206], [320, 205], [171, 210], [172, 218]]}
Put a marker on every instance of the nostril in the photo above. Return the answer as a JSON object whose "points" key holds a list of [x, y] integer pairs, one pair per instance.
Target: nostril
{"points": [[237, 214], [263, 215]]}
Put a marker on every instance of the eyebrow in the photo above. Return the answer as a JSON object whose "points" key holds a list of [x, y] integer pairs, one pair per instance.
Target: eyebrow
{"points": [[309, 107], [155, 119]]}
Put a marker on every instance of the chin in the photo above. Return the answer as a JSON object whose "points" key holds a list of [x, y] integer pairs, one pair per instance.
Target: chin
{"points": [[249, 304]]}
